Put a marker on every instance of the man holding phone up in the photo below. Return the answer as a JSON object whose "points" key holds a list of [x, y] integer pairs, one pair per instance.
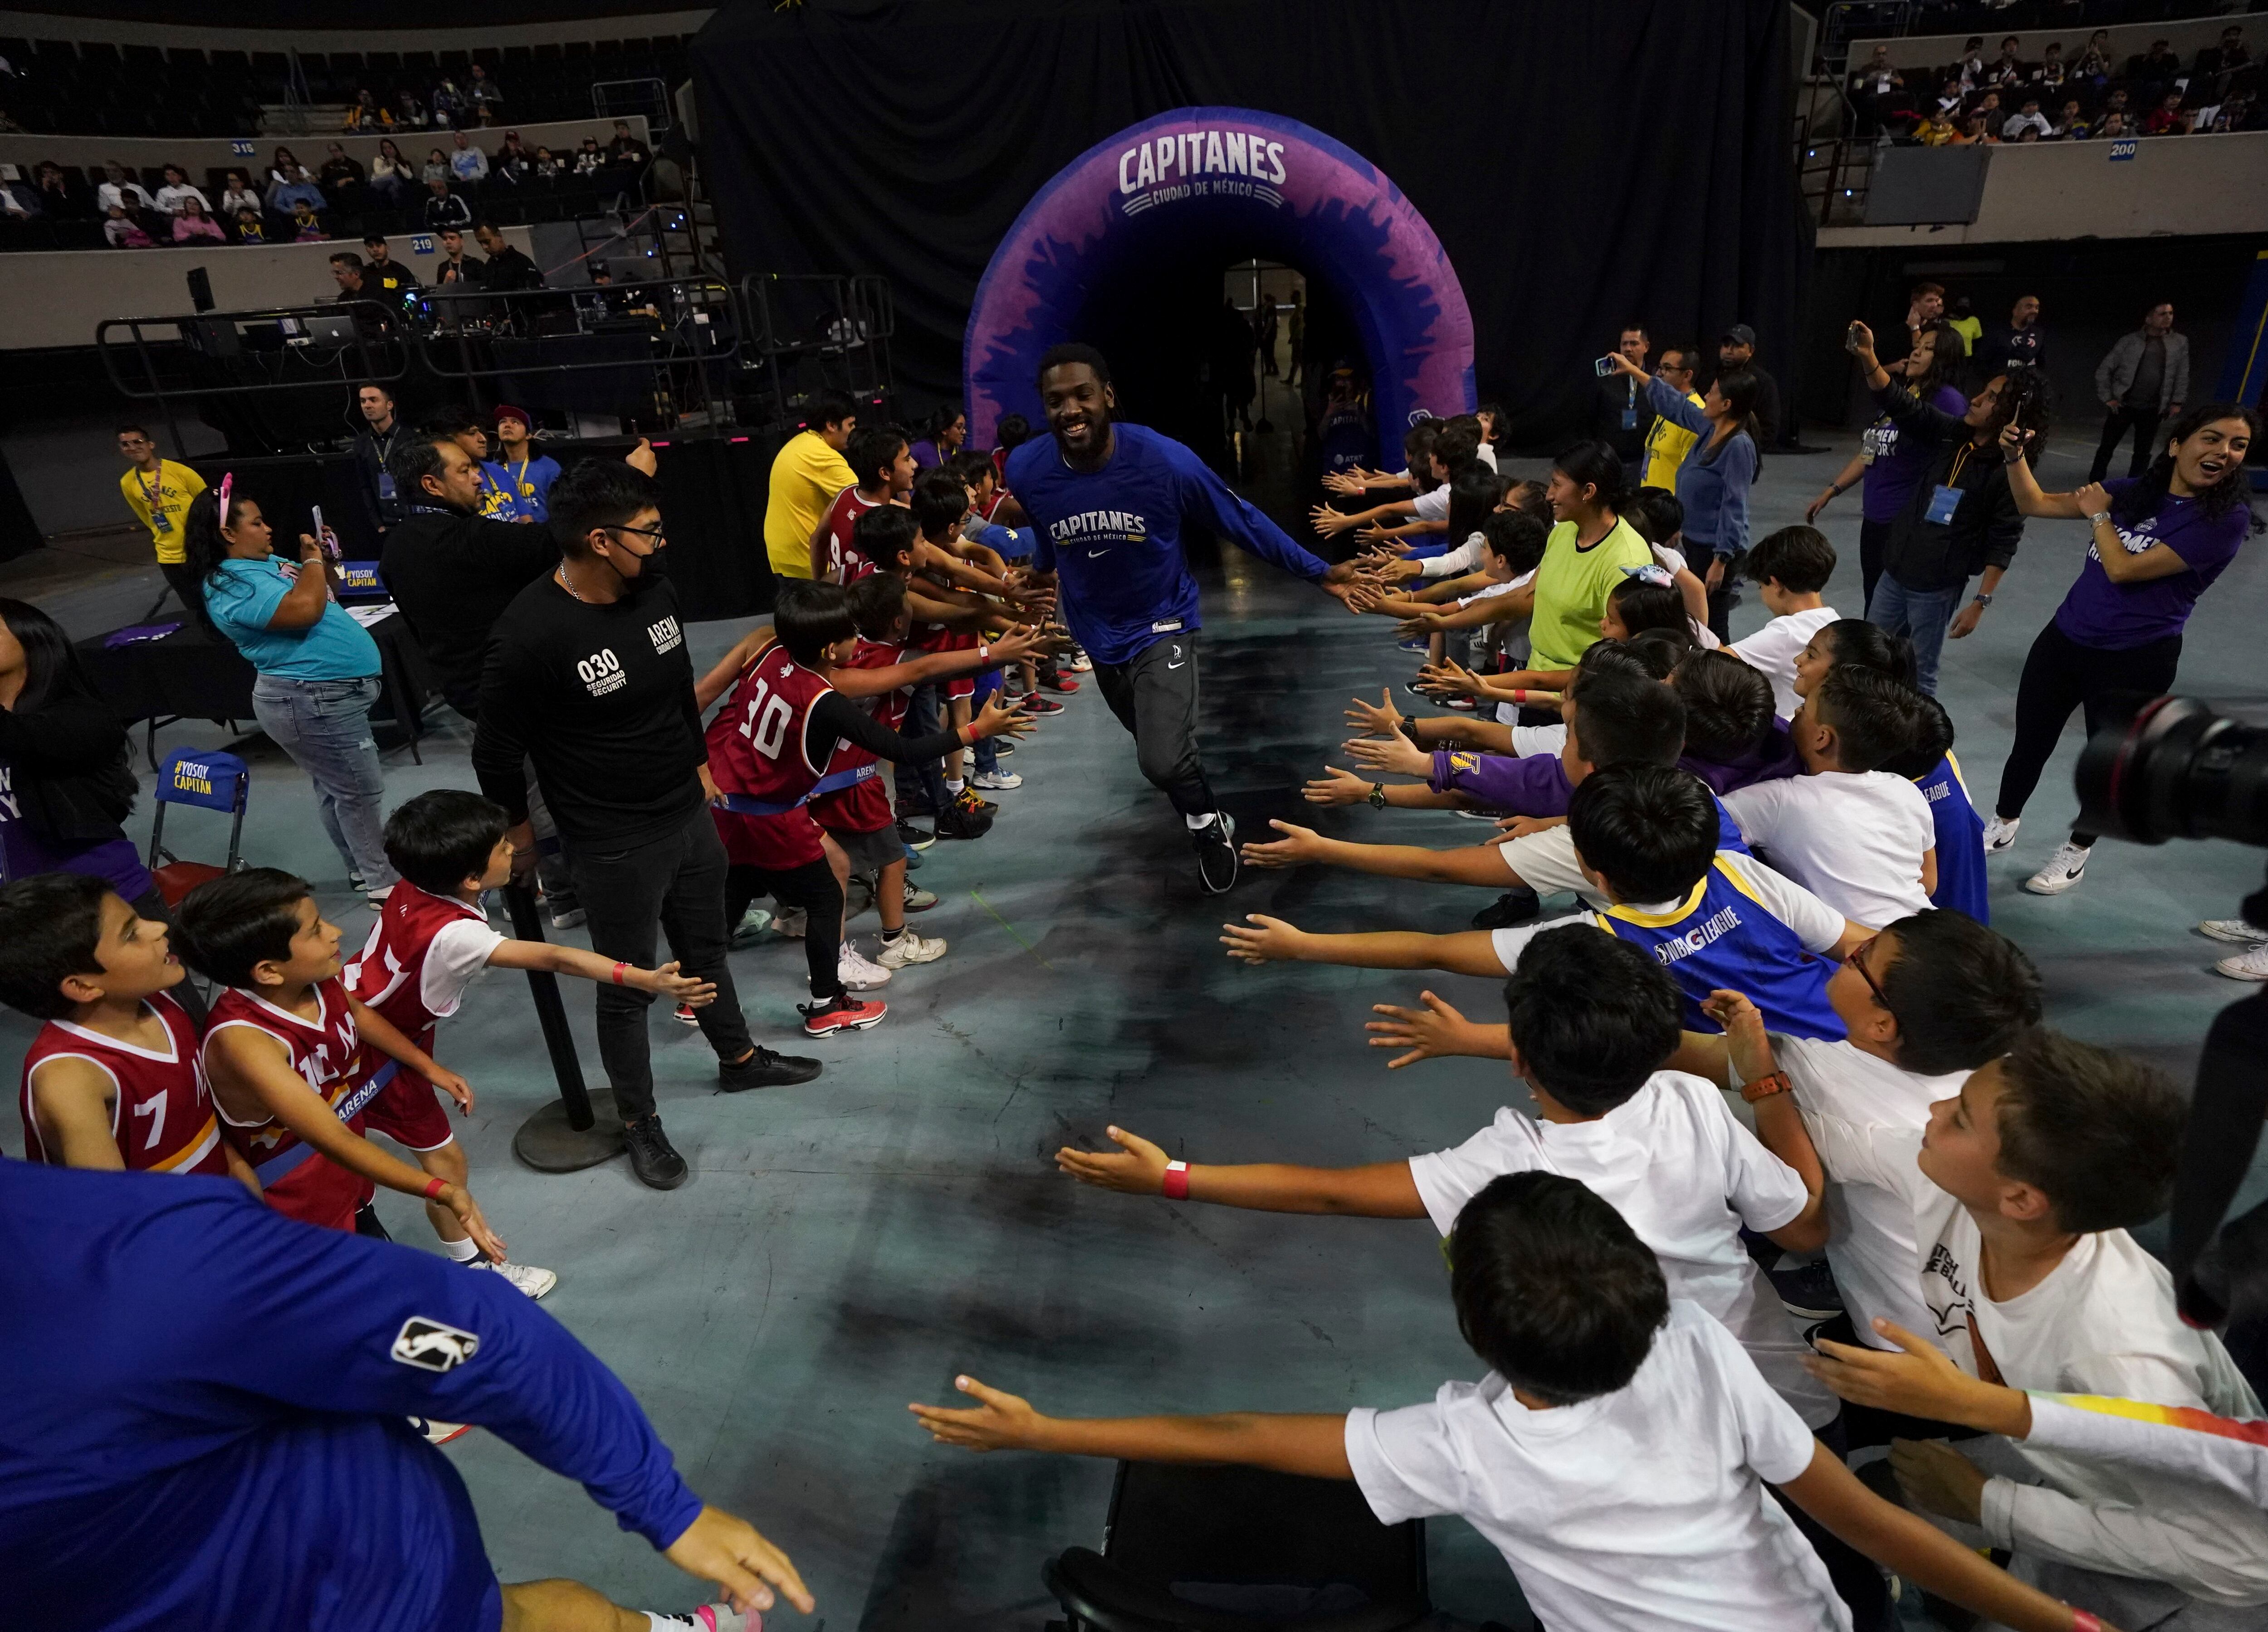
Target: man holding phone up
{"points": [[1963, 519]]}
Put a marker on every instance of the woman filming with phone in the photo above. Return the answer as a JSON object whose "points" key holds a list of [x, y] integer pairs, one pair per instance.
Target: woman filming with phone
{"points": [[1961, 519], [2156, 543], [317, 668], [1714, 479]]}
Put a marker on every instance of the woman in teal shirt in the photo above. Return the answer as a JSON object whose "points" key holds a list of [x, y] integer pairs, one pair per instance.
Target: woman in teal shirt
{"points": [[318, 669]]}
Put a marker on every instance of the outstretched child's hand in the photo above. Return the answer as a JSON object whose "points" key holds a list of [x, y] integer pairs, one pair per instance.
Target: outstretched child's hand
{"points": [[1919, 1381], [1274, 941], [1328, 522], [1432, 1032], [999, 720], [1396, 753], [1137, 1168], [1511, 828], [1298, 845], [1745, 1042], [1337, 787], [666, 982], [998, 1422], [459, 1201], [1937, 1478], [455, 1086], [1384, 720]]}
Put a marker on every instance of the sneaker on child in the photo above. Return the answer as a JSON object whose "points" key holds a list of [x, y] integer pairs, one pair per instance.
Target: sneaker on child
{"points": [[996, 781], [854, 972], [909, 948], [846, 1013], [2250, 966], [527, 1277]]}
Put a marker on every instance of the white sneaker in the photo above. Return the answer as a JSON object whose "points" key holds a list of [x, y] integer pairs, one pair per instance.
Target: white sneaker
{"points": [[2243, 932], [856, 974], [568, 917], [995, 780], [2065, 869], [439, 1433], [909, 948], [751, 928], [527, 1277], [2251, 966], [790, 923], [2000, 833]]}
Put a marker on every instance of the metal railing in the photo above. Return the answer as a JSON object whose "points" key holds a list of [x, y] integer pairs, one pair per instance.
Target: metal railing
{"points": [[813, 331], [619, 98]]}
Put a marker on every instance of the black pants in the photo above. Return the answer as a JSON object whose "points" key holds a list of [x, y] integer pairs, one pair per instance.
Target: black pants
{"points": [[1723, 599], [2144, 422], [922, 787], [1155, 696], [1874, 540], [810, 886], [2061, 676], [675, 883]]}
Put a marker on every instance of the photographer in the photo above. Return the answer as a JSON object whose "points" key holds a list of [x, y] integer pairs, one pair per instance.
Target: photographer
{"points": [[2158, 542], [1961, 519]]}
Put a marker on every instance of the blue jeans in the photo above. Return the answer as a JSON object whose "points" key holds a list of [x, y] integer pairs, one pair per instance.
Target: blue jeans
{"points": [[324, 726], [988, 755], [1921, 616], [920, 785]]}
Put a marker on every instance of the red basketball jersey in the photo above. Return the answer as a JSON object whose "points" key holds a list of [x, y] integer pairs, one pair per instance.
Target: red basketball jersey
{"points": [[862, 803], [161, 1112], [299, 1181], [844, 563], [388, 975], [766, 762]]}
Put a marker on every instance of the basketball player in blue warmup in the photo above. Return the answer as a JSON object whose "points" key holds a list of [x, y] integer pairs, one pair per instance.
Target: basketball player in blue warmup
{"points": [[1109, 501]]}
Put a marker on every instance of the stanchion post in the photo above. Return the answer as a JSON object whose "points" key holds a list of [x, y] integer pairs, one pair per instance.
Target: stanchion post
{"points": [[579, 1129]]}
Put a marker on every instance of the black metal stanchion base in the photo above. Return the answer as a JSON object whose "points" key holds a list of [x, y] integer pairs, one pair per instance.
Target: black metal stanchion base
{"points": [[549, 1143]]}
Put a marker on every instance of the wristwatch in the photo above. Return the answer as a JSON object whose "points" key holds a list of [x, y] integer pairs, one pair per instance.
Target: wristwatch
{"points": [[1409, 730], [1982, 598], [2098, 519], [1378, 795]]}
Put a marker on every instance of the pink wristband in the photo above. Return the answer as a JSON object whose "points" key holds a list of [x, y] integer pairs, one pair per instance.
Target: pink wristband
{"points": [[434, 1188], [1176, 1185], [2081, 1621], [618, 972]]}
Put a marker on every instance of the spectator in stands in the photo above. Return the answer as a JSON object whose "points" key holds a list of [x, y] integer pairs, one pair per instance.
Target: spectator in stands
{"points": [[285, 197], [63, 194], [1971, 66], [192, 224], [2166, 119], [2016, 345], [2007, 69], [393, 282], [483, 93], [409, 113], [448, 105], [455, 265], [249, 227], [2113, 126], [340, 178], [548, 167], [588, 159], [2215, 64], [392, 177], [123, 230], [2116, 103], [435, 168], [2153, 71], [281, 171], [1973, 131], [625, 149], [443, 208], [2028, 118], [366, 114], [2051, 74], [508, 269], [2093, 65], [19, 200], [123, 190], [238, 196], [1934, 129], [467, 163], [306, 225], [2070, 124], [1736, 354], [177, 190], [513, 162], [2144, 378]]}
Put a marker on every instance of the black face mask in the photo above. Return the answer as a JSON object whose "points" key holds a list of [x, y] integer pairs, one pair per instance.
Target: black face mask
{"points": [[652, 569]]}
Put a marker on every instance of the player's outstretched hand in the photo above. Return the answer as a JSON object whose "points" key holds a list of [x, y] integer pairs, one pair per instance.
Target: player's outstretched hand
{"points": [[1000, 719], [997, 1422], [1384, 720], [1432, 1031], [1271, 941], [665, 981], [1337, 787], [720, 1547], [1136, 1168], [1297, 846], [455, 1086]]}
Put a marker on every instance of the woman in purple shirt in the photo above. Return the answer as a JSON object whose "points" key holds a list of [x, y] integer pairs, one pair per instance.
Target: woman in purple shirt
{"points": [[2160, 541], [1888, 464]]}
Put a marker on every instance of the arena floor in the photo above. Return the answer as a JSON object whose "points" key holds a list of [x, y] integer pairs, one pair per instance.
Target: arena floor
{"points": [[846, 1246]]}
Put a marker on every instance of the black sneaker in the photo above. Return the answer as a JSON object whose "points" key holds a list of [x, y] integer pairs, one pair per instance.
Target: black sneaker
{"points": [[913, 838], [1514, 907], [1002, 747], [763, 1068], [653, 1157], [1216, 846], [957, 822], [1807, 1291]]}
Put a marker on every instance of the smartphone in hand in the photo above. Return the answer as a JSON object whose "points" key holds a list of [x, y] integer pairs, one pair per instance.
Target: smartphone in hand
{"points": [[1603, 367], [325, 536]]}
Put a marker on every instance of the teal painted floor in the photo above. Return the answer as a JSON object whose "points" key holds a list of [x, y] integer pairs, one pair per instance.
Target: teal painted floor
{"points": [[846, 1246]]}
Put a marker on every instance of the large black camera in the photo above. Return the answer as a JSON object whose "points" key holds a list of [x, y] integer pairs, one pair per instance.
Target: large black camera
{"points": [[2178, 770]]}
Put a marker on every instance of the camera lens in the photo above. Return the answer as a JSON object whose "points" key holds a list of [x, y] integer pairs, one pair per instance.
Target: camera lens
{"points": [[2176, 770]]}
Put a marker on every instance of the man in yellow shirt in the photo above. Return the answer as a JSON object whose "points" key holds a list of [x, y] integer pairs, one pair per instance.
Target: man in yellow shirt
{"points": [[1670, 442], [806, 474], [158, 492]]}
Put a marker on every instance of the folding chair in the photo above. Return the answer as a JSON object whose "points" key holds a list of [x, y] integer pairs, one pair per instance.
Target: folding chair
{"points": [[1204, 1548], [216, 781]]}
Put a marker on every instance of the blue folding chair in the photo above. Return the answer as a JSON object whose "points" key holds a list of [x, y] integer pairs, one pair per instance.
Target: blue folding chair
{"points": [[215, 781]]}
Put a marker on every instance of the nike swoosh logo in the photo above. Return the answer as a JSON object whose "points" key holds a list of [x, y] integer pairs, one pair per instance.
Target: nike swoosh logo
{"points": [[1091, 554], [1183, 664]]}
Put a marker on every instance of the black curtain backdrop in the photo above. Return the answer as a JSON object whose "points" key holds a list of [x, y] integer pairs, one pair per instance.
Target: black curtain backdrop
{"points": [[1585, 165]]}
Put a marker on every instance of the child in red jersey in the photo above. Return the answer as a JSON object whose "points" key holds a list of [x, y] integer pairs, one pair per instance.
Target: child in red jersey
{"points": [[112, 1079], [431, 940], [283, 1052]]}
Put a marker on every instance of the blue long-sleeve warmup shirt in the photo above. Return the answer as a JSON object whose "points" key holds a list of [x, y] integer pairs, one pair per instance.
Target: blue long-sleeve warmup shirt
{"points": [[207, 1404], [1113, 537]]}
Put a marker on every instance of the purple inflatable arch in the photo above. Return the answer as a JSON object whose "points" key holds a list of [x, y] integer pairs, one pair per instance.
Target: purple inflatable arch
{"points": [[1256, 184]]}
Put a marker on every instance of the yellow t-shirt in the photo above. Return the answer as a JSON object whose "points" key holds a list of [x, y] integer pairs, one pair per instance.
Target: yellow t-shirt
{"points": [[1571, 587], [1666, 445], [161, 505], [805, 477]]}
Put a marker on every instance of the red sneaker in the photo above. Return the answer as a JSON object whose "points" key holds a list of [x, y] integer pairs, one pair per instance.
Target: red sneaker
{"points": [[1059, 682], [846, 1013], [1036, 704]]}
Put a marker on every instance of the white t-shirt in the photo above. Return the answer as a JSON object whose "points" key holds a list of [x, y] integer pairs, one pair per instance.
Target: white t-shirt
{"points": [[1491, 592], [1870, 1242], [2108, 1536], [1432, 505], [1466, 557], [1685, 1176], [1488, 456], [456, 954], [1855, 839], [1816, 924], [170, 198], [1526, 739], [1641, 1510], [1773, 650]]}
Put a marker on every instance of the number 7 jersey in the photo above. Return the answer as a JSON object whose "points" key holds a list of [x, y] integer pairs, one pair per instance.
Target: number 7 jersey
{"points": [[161, 1112]]}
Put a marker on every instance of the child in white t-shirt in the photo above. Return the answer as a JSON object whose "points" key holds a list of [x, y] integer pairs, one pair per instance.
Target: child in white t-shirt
{"points": [[1592, 1019], [2019, 1189], [1791, 569], [1617, 1455], [1861, 840]]}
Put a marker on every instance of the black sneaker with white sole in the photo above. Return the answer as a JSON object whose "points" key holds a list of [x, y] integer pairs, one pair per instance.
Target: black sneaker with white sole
{"points": [[912, 837], [1216, 847], [1514, 907], [653, 1157], [763, 1068]]}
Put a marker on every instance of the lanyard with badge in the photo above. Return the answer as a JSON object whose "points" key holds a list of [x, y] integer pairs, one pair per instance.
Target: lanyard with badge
{"points": [[1629, 409], [152, 494], [1945, 498], [385, 449]]}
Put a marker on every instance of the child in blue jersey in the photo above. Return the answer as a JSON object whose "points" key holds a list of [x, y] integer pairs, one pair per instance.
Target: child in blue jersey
{"points": [[1645, 835]]}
